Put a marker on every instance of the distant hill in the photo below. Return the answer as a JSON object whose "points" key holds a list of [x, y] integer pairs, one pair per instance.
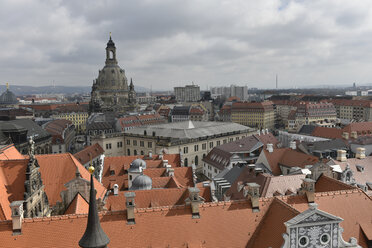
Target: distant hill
{"points": [[31, 90]]}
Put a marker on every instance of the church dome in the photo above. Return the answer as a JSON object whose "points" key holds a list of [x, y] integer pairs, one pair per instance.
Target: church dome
{"points": [[8, 97], [142, 182]]}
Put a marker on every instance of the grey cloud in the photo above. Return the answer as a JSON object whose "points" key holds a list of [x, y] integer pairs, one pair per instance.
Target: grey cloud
{"points": [[211, 42]]}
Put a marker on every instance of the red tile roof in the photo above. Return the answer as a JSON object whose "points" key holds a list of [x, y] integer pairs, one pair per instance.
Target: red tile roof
{"points": [[58, 169], [120, 164], [325, 184], [9, 152], [155, 198], [12, 179], [354, 206], [289, 158], [78, 205], [327, 132], [223, 224], [88, 153]]}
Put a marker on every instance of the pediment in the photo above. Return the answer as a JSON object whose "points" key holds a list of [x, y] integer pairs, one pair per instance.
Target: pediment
{"points": [[313, 215]]}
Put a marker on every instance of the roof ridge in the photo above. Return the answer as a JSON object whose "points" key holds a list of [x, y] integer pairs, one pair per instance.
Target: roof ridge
{"points": [[335, 181]]}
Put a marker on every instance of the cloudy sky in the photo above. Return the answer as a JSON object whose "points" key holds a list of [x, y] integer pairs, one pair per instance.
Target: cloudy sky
{"points": [[166, 43]]}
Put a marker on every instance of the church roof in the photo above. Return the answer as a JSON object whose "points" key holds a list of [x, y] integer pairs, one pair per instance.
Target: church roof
{"points": [[8, 97]]}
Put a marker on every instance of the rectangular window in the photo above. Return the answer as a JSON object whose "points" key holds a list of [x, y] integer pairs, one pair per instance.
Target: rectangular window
{"points": [[135, 142], [120, 144], [225, 141], [142, 143], [128, 142], [149, 144], [108, 146], [196, 148], [185, 149], [211, 144], [218, 142], [204, 146]]}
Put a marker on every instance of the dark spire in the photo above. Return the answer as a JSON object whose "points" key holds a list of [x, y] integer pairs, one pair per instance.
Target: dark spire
{"points": [[131, 86], [110, 42], [94, 236]]}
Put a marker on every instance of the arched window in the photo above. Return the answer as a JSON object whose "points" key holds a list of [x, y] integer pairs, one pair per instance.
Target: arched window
{"points": [[142, 153], [111, 54], [196, 160], [185, 163]]}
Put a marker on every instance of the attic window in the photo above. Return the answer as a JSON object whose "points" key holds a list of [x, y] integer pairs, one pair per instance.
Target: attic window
{"points": [[112, 172], [360, 168]]}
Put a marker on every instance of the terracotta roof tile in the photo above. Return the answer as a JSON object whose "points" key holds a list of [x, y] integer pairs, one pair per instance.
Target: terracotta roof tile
{"points": [[327, 132], [342, 204], [12, 178], [9, 152], [78, 205], [154, 198], [267, 236], [223, 224], [58, 169], [120, 164], [325, 184], [89, 152]]}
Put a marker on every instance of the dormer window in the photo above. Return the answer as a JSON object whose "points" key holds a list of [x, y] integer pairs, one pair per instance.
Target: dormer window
{"points": [[112, 172], [360, 168]]}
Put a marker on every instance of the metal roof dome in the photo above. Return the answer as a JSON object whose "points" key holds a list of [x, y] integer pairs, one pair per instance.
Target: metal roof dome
{"points": [[8, 97], [142, 182], [138, 163]]}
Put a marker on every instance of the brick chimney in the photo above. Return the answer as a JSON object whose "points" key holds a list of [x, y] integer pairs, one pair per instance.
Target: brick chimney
{"points": [[165, 163], [130, 207], [341, 155], [292, 145], [308, 188], [253, 190], [116, 189], [270, 147], [170, 172], [360, 153], [354, 135], [194, 199], [17, 216], [345, 135]]}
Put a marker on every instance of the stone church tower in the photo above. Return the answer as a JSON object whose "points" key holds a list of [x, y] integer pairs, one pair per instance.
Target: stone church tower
{"points": [[35, 202], [110, 91]]}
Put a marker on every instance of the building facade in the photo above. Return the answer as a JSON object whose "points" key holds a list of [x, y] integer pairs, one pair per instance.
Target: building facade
{"points": [[308, 112], [110, 91], [189, 93], [253, 114], [193, 140]]}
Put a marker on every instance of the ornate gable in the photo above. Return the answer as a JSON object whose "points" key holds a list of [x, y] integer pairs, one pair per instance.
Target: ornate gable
{"points": [[314, 228]]}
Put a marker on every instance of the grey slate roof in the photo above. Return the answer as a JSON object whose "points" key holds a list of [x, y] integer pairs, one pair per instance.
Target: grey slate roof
{"points": [[33, 129], [307, 129], [324, 145], [182, 130], [233, 174]]}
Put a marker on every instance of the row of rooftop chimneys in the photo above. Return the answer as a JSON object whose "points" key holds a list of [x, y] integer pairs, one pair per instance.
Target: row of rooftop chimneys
{"points": [[194, 200], [270, 147], [263, 132], [250, 190], [353, 135]]}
